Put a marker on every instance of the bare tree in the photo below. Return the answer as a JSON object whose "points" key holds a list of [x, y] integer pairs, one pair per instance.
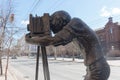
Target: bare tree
{"points": [[6, 18]]}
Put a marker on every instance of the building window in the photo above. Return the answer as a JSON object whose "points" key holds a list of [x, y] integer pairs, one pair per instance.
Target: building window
{"points": [[111, 30], [112, 47], [101, 38]]}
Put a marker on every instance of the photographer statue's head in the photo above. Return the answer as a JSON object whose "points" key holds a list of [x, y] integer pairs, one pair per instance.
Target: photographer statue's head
{"points": [[58, 20]]}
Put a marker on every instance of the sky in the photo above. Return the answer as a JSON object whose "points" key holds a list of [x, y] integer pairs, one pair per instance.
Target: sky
{"points": [[94, 13]]}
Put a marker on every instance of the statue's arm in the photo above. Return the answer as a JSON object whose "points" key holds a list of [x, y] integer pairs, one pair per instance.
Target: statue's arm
{"points": [[63, 37]]}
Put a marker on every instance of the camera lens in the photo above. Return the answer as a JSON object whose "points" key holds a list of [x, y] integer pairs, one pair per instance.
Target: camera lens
{"points": [[28, 27]]}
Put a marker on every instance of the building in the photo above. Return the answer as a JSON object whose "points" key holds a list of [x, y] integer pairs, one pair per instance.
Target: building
{"points": [[110, 38], [24, 48]]}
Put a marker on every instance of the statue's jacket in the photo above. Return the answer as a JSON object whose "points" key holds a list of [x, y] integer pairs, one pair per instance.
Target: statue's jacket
{"points": [[76, 30]]}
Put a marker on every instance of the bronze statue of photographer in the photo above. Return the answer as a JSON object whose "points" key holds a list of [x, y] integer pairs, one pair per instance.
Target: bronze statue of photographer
{"points": [[67, 29]]}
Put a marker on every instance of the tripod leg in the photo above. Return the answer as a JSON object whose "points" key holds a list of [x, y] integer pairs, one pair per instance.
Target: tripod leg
{"points": [[37, 63], [45, 63]]}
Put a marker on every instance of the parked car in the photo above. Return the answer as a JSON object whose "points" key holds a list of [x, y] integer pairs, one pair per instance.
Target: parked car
{"points": [[4, 57], [13, 57]]}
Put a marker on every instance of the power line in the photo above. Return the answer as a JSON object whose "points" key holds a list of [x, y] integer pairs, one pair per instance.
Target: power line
{"points": [[52, 5], [57, 5], [33, 6]]}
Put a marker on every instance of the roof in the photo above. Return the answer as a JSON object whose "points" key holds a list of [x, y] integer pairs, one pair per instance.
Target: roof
{"points": [[99, 29]]}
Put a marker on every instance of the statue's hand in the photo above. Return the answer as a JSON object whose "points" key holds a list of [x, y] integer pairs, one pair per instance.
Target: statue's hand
{"points": [[30, 40], [45, 41]]}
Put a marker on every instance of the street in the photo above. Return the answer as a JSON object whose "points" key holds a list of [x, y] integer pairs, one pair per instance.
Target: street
{"points": [[24, 68]]}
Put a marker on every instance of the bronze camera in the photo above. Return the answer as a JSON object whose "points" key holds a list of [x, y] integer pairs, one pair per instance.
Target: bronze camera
{"points": [[39, 26]]}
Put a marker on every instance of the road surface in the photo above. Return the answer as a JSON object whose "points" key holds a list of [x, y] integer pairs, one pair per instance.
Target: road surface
{"points": [[59, 69]]}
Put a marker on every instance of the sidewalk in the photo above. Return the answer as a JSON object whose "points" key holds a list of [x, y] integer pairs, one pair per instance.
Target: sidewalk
{"points": [[12, 74]]}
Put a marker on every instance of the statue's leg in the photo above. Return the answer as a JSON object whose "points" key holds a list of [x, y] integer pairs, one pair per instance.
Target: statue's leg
{"points": [[87, 76], [99, 70]]}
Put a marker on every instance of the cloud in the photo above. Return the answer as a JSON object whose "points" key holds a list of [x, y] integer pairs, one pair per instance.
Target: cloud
{"points": [[107, 12], [116, 11], [25, 22]]}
